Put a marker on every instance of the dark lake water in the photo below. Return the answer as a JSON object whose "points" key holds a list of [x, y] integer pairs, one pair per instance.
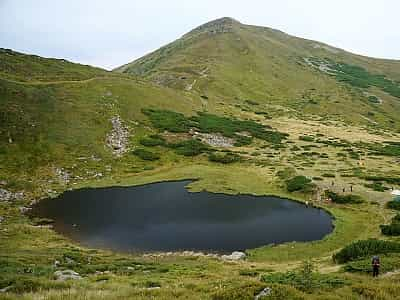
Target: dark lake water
{"points": [[166, 217]]}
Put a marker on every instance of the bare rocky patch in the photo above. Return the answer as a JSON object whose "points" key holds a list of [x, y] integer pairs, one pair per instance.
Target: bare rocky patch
{"points": [[117, 140]]}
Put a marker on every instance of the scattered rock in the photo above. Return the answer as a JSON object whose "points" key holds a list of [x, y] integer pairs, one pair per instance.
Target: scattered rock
{"points": [[24, 209], [237, 255], [63, 175], [67, 275], [215, 140], [69, 260], [57, 263], [117, 140], [1, 219], [6, 195], [264, 293], [7, 288]]}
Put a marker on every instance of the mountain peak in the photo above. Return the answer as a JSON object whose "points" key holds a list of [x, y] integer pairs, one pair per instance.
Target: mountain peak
{"points": [[221, 25]]}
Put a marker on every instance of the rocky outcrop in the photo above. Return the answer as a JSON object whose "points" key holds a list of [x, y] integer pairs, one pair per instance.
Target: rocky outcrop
{"points": [[117, 140], [264, 293], [237, 255], [220, 26], [215, 140], [62, 175], [6, 195], [67, 275]]}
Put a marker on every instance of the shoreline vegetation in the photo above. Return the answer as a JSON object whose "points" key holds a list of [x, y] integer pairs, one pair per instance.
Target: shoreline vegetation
{"points": [[306, 122]]}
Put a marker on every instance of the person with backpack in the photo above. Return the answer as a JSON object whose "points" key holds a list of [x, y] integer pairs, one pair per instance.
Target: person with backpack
{"points": [[375, 266]]}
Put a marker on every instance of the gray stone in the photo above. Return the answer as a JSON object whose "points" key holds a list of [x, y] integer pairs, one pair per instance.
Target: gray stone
{"points": [[264, 293], [67, 275], [237, 255], [5, 290], [1, 219], [117, 140], [24, 209]]}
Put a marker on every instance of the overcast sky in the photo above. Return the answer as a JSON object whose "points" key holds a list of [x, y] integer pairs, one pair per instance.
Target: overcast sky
{"points": [[110, 33]]}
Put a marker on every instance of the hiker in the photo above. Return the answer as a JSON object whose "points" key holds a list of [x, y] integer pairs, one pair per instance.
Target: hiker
{"points": [[375, 266], [351, 188], [344, 190]]}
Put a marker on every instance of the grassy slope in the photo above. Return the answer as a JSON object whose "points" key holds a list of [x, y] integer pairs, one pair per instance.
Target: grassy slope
{"points": [[56, 123], [249, 62]]}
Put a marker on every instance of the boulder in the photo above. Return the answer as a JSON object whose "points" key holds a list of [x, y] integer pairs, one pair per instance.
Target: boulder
{"points": [[264, 293], [67, 275], [237, 255]]}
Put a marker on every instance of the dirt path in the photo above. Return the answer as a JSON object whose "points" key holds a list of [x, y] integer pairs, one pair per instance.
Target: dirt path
{"points": [[54, 82]]}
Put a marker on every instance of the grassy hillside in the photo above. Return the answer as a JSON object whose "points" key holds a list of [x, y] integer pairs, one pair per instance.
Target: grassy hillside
{"points": [[230, 62], [243, 109], [32, 68]]}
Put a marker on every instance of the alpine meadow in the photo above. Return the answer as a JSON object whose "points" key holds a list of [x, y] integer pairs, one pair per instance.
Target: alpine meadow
{"points": [[236, 110]]}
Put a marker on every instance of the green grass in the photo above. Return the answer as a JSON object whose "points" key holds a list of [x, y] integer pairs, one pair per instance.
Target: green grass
{"points": [[55, 114], [146, 155], [224, 158], [299, 183], [365, 248], [344, 199]]}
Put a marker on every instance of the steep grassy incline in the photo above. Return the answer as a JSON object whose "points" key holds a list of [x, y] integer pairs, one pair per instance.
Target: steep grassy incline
{"points": [[63, 121], [226, 60], [17, 66]]}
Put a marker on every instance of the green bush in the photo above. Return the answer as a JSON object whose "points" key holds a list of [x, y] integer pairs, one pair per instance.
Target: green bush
{"points": [[328, 175], [152, 141], [241, 140], [365, 248], [387, 179], [299, 183], [373, 99], [146, 155], [305, 279], [168, 120], [226, 158], [306, 138], [393, 205], [376, 186], [189, 148], [344, 199], [392, 229], [388, 263]]}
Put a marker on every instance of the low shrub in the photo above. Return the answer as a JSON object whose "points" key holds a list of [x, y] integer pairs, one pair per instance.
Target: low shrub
{"points": [[146, 155], [387, 179], [306, 138], [365, 248], [328, 175], [305, 279], [152, 141], [191, 147], [299, 183], [344, 199], [393, 205], [392, 229], [388, 263], [168, 120], [376, 186], [226, 158]]}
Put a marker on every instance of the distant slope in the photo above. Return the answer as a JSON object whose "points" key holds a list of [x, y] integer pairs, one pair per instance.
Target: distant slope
{"points": [[54, 112], [227, 60], [23, 67]]}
